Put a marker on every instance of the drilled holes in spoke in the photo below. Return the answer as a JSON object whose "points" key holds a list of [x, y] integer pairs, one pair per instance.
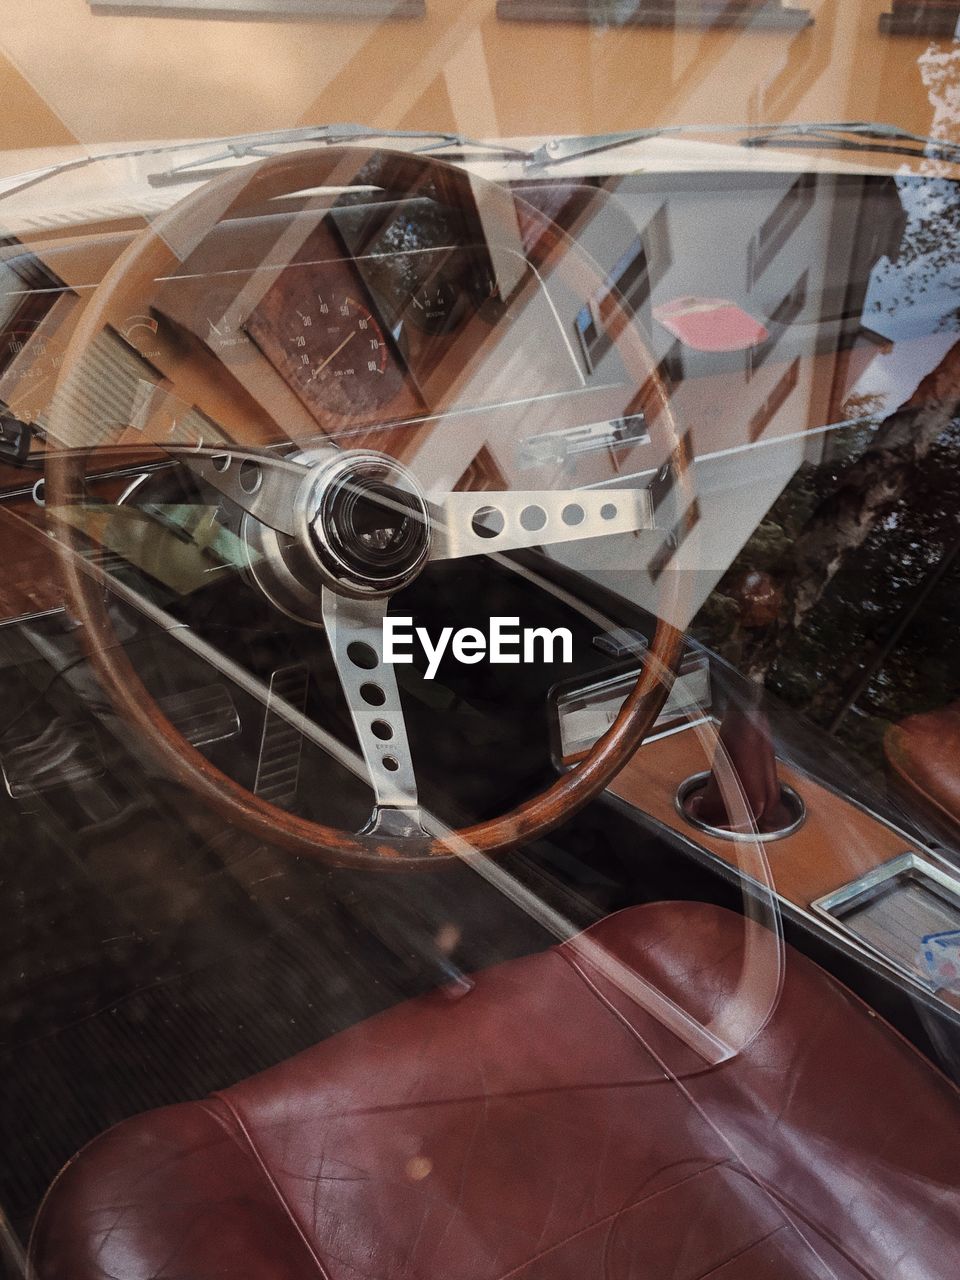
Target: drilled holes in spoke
{"points": [[506, 521], [533, 518], [488, 522], [362, 655], [250, 477], [372, 695]]}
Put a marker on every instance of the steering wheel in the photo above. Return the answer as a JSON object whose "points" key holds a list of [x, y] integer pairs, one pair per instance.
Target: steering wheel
{"points": [[301, 515]]}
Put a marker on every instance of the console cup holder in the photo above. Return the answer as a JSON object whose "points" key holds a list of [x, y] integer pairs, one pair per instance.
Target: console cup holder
{"points": [[696, 783]]}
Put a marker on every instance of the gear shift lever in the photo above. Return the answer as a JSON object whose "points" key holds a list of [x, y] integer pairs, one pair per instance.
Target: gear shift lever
{"points": [[745, 737]]}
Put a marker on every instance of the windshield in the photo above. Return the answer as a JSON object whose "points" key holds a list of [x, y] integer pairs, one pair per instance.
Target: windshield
{"points": [[479, 564]]}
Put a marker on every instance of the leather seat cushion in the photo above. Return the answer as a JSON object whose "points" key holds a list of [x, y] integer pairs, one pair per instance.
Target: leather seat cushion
{"points": [[535, 1129], [923, 755]]}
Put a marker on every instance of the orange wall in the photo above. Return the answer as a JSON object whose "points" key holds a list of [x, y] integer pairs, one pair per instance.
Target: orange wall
{"points": [[68, 73]]}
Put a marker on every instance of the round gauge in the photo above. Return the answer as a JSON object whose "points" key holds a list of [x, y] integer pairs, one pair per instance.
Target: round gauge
{"points": [[339, 353], [434, 306], [217, 322], [30, 362], [141, 332]]}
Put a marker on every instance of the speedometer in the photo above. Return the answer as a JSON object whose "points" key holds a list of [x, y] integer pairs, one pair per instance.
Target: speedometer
{"points": [[340, 349], [327, 343]]}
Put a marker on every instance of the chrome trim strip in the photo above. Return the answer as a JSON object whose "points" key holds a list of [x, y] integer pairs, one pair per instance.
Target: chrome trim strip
{"points": [[31, 617], [868, 886]]}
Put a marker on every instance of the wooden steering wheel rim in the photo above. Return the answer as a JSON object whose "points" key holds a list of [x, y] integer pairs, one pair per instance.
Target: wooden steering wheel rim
{"points": [[154, 253]]}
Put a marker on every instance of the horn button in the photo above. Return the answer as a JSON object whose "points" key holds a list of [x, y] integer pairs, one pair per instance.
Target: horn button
{"points": [[363, 531], [371, 530]]}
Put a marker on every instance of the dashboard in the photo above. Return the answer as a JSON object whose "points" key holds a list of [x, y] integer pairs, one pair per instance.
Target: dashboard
{"points": [[386, 324], [368, 322]]}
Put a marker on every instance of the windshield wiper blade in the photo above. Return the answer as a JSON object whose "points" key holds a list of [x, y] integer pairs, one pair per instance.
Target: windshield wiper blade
{"points": [[31, 177], [243, 145], [263, 144], [861, 135], [853, 135], [572, 148]]}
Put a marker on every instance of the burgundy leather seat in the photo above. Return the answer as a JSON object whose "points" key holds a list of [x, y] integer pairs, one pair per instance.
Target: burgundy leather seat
{"points": [[923, 756], [530, 1130]]}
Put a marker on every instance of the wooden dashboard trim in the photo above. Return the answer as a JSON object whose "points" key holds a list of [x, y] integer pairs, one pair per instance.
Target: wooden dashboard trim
{"points": [[838, 842]]}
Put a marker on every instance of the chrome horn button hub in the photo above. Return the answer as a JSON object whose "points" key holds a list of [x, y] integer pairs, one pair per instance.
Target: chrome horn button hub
{"points": [[359, 526], [371, 528]]}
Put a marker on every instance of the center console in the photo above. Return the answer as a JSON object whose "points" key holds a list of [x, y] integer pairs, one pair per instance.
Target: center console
{"points": [[844, 873]]}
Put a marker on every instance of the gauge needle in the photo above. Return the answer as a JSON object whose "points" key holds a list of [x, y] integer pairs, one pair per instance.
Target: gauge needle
{"points": [[335, 352]]}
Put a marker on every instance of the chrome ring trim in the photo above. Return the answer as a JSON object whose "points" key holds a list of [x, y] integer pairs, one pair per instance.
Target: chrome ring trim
{"points": [[697, 781]]}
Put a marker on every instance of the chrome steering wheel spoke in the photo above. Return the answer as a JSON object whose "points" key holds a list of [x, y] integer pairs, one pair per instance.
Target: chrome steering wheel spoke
{"points": [[462, 524], [481, 523], [264, 485], [355, 632]]}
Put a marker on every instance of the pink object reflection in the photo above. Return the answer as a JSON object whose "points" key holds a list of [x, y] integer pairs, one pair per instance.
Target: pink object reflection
{"points": [[710, 324]]}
